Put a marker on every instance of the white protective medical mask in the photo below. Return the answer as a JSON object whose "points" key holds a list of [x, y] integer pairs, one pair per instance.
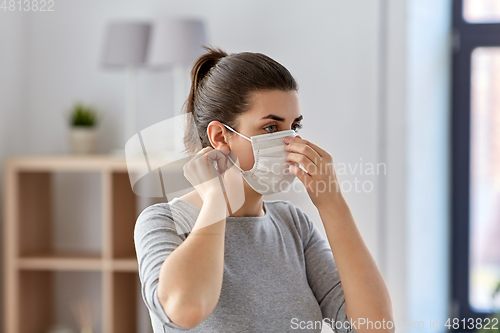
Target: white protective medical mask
{"points": [[270, 173]]}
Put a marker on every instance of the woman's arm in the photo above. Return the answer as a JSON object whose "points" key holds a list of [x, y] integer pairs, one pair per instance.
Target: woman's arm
{"points": [[366, 295], [365, 292], [191, 277]]}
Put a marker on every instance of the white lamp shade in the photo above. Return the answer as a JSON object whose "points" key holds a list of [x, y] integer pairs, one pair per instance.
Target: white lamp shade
{"points": [[176, 41], [126, 44]]}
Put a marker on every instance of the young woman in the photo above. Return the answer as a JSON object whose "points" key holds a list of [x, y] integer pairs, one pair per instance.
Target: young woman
{"points": [[222, 259]]}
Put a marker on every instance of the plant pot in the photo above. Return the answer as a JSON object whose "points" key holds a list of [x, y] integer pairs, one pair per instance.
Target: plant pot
{"points": [[83, 140]]}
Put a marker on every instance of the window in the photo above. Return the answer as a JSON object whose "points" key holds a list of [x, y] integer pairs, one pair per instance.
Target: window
{"points": [[484, 223], [481, 11], [476, 158]]}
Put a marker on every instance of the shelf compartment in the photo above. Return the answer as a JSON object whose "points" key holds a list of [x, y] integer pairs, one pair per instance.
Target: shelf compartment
{"points": [[34, 212], [46, 298], [129, 314], [127, 304], [35, 302], [46, 226], [124, 215]]}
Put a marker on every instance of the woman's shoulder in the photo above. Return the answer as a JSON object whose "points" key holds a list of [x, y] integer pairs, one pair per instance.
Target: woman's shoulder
{"points": [[175, 215], [169, 209], [284, 207], [291, 214]]}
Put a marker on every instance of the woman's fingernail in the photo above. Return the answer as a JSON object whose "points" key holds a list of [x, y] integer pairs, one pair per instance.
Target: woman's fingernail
{"points": [[286, 139]]}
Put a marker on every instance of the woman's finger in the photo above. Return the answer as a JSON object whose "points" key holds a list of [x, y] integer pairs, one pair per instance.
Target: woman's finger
{"points": [[320, 151], [309, 165], [303, 149], [221, 159]]}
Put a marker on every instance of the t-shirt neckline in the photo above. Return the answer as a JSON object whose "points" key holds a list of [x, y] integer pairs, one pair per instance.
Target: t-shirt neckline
{"points": [[229, 218]]}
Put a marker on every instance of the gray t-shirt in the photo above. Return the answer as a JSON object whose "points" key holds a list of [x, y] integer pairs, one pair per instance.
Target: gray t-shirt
{"points": [[279, 271]]}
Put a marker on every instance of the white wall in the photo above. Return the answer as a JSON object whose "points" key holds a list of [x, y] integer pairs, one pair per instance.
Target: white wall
{"points": [[417, 81], [393, 151], [428, 109], [12, 111], [349, 58]]}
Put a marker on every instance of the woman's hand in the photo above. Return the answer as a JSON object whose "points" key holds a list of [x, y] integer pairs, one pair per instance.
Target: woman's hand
{"points": [[320, 179], [215, 178], [202, 173]]}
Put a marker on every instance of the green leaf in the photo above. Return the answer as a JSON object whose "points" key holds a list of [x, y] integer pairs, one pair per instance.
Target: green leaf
{"points": [[83, 115]]}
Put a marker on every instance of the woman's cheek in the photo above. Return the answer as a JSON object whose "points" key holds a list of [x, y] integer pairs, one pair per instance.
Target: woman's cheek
{"points": [[246, 159]]}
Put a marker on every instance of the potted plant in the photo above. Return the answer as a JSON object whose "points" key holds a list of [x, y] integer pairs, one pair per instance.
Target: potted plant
{"points": [[83, 129]]}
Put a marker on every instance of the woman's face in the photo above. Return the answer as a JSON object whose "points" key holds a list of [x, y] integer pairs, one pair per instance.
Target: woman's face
{"points": [[271, 111]]}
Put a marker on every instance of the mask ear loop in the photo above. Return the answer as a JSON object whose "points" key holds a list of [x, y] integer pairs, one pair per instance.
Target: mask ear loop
{"points": [[234, 163], [238, 133]]}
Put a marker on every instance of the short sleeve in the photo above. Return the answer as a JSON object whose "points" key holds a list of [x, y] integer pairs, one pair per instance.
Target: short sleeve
{"points": [[155, 237], [323, 276]]}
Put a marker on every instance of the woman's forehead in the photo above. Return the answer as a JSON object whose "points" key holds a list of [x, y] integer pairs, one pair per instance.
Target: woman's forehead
{"points": [[283, 104]]}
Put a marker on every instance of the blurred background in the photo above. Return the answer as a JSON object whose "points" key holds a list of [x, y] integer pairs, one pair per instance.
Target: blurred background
{"points": [[402, 94]]}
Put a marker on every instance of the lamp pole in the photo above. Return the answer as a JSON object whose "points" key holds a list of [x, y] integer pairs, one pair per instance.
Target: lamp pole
{"points": [[181, 91], [130, 102]]}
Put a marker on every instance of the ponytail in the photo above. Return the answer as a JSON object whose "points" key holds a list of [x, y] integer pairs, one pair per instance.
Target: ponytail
{"points": [[200, 69]]}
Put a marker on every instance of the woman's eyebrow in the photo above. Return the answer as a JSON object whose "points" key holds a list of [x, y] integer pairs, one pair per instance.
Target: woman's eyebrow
{"points": [[278, 118]]}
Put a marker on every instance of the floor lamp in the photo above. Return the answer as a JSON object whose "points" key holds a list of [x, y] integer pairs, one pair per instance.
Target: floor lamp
{"points": [[175, 44], [125, 48]]}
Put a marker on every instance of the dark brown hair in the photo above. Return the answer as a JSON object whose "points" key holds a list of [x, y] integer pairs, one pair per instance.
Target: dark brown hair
{"points": [[221, 88]]}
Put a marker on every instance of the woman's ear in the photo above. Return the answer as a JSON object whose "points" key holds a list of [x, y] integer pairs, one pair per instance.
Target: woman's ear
{"points": [[218, 135]]}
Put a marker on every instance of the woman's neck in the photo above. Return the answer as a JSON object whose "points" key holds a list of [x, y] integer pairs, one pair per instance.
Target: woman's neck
{"points": [[253, 205]]}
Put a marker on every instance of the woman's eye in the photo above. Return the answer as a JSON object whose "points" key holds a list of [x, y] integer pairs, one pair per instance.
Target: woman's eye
{"points": [[274, 127], [271, 126], [296, 127]]}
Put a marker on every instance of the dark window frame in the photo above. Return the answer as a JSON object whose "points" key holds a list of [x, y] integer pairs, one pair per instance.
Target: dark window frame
{"points": [[467, 36]]}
